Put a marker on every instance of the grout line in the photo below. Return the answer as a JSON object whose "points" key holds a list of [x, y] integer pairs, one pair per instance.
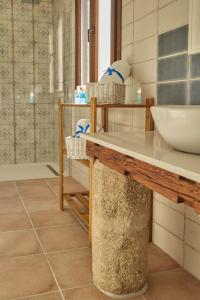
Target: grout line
{"points": [[47, 260], [32, 296]]}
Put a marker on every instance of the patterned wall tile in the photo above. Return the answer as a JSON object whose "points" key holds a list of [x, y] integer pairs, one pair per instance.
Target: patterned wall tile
{"points": [[23, 52], [25, 153], [24, 113], [23, 73], [42, 32], [42, 53], [43, 12], [24, 134], [7, 114], [42, 113], [5, 30], [6, 134], [5, 9], [7, 154], [6, 53], [6, 93], [22, 92], [22, 11], [6, 73], [42, 73], [44, 152], [23, 31], [42, 94], [44, 133]]}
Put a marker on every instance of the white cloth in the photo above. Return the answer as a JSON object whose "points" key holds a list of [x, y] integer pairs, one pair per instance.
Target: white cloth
{"points": [[122, 67]]}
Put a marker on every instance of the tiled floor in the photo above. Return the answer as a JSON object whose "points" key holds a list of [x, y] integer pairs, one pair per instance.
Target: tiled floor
{"points": [[44, 253]]}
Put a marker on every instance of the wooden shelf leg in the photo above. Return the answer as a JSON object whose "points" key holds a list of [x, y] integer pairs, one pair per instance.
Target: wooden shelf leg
{"points": [[61, 153]]}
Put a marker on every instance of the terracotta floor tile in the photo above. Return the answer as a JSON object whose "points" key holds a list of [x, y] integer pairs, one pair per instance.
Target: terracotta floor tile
{"points": [[31, 183], [70, 188], [68, 179], [50, 296], [159, 261], [39, 203], [173, 285], [7, 184], [25, 276], [72, 268], [89, 293], [8, 193], [63, 238], [36, 191], [53, 217], [18, 243], [10, 205], [14, 221]]}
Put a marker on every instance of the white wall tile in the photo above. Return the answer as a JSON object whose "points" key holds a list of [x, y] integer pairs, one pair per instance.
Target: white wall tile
{"points": [[139, 118], [192, 261], [145, 72], [192, 215], [123, 117], [127, 35], [148, 90], [127, 53], [168, 218], [144, 7], [165, 2], [127, 14], [173, 15], [168, 243], [145, 27], [178, 207], [145, 50], [192, 234]]}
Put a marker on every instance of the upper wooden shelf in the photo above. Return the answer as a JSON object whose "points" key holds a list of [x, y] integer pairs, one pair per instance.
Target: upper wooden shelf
{"points": [[106, 105]]}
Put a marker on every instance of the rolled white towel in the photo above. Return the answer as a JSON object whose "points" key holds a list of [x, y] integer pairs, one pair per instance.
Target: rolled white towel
{"points": [[117, 73], [83, 126]]}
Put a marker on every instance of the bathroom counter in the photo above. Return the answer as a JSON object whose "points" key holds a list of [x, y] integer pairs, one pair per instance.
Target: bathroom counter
{"points": [[171, 173]]}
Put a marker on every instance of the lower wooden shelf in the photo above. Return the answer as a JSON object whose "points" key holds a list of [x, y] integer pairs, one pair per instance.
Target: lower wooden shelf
{"points": [[79, 204]]}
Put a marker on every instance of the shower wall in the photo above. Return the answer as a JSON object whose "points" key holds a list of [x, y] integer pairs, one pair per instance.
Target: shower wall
{"points": [[26, 129]]}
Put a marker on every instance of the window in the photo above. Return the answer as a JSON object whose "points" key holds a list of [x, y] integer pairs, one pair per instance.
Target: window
{"points": [[98, 37]]}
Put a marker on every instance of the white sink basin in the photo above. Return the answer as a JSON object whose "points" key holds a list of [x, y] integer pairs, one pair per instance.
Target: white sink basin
{"points": [[179, 126]]}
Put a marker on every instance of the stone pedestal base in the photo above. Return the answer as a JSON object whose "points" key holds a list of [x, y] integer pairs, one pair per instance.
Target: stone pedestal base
{"points": [[119, 233]]}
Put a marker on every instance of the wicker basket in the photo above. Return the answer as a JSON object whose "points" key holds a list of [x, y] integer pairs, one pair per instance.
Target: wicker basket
{"points": [[76, 148], [107, 93]]}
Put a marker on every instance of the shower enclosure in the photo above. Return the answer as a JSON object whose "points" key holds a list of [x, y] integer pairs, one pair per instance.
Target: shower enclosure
{"points": [[26, 98]]}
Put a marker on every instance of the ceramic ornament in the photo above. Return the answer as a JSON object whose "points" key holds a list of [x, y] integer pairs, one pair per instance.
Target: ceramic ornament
{"points": [[117, 73]]}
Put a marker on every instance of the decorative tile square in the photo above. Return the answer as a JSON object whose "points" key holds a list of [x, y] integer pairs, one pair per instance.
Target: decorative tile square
{"points": [[44, 152], [172, 93], [23, 31], [195, 65], [42, 53], [5, 30], [42, 94], [44, 134], [6, 54], [195, 92], [23, 92], [42, 112], [42, 32], [43, 12], [173, 68], [6, 73], [42, 73], [24, 134], [23, 52], [6, 93], [23, 73], [173, 41], [24, 113], [7, 114], [7, 155], [5, 9], [25, 153], [22, 11], [6, 134]]}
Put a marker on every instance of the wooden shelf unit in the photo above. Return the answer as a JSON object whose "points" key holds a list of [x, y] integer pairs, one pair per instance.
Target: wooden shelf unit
{"points": [[81, 203]]}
